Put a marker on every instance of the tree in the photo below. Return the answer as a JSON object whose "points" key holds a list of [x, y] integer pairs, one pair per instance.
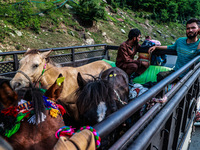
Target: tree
{"points": [[164, 15], [90, 10], [172, 11]]}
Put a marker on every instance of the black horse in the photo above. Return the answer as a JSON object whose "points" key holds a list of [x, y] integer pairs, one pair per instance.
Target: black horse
{"points": [[101, 96]]}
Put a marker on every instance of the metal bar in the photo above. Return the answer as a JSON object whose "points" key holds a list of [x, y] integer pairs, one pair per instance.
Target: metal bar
{"points": [[16, 62], [136, 127], [115, 119], [141, 142], [73, 56], [145, 50]]}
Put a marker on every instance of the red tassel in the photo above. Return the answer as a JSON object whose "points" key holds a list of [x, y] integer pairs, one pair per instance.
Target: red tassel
{"points": [[137, 90], [62, 110], [11, 111]]}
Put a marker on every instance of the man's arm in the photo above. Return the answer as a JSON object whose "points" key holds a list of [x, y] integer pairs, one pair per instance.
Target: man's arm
{"points": [[151, 49]]}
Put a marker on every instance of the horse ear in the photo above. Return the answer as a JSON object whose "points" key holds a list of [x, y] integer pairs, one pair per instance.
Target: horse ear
{"points": [[46, 54], [80, 80], [55, 90]]}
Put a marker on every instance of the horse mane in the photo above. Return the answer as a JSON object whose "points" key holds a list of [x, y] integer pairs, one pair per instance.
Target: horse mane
{"points": [[94, 92], [35, 95]]}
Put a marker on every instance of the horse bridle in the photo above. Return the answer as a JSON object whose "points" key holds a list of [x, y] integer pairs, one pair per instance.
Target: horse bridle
{"points": [[119, 99]]}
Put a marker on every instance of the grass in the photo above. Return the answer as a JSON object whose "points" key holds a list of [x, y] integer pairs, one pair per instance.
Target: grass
{"points": [[61, 29]]}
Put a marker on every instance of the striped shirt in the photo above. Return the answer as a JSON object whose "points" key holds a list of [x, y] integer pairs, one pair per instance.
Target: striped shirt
{"points": [[185, 52]]}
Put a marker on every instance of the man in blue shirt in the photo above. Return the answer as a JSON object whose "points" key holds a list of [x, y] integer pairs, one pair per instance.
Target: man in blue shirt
{"points": [[187, 47]]}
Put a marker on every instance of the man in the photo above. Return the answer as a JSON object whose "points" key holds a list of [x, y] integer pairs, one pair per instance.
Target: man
{"points": [[126, 52], [187, 47]]}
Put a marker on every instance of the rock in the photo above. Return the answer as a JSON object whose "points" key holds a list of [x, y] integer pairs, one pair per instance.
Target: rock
{"points": [[173, 36], [72, 33], [89, 33], [68, 6], [154, 34], [104, 33], [41, 14], [172, 43], [12, 34], [19, 33], [89, 41], [122, 30], [159, 31]]}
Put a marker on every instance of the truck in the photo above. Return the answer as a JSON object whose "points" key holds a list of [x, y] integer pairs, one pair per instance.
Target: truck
{"points": [[165, 126]]}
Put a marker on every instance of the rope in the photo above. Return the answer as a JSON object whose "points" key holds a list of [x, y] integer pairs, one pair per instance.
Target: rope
{"points": [[119, 99]]}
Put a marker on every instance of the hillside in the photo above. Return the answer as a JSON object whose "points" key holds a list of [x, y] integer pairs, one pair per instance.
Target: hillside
{"points": [[72, 32]]}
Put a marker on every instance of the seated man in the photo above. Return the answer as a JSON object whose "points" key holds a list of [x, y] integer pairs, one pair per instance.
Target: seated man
{"points": [[127, 51], [187, 48]]}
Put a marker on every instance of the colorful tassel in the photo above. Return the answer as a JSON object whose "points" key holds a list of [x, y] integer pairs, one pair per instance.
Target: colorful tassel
{"points": [[64, 131], [60, 80], [62, 110], [96, 135], [54, 112], [33, 119]]}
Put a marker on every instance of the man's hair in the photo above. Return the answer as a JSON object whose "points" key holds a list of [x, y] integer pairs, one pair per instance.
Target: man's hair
{"points": [[148, 37], [133, 33], [197, 21]]}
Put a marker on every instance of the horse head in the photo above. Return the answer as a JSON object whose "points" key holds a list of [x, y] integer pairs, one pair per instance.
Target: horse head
{"points": [[32, 64], [55, 89], [94, 100], [120, 83], [36, 117], [8, 97]]}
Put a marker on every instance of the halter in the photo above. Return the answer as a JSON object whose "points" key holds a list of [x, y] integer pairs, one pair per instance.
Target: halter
{"points": [[44, 69], [119, 99], [42, 73]]}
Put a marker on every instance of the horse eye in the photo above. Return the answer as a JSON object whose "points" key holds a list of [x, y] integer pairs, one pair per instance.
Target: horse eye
{"points": [[35, 66]]}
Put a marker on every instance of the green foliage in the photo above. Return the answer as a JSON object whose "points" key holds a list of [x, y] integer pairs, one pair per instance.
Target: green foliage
{"points": [[164, 15], [90, 10], [171, 9]]}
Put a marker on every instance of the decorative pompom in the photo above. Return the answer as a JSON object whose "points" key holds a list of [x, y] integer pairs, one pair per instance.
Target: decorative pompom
{"points": [[65, 130], [96, 135], [62, 110], [54, 112]]}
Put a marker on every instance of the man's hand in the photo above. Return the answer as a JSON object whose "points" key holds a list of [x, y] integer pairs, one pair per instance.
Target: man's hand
{"points": [[151, 49]]}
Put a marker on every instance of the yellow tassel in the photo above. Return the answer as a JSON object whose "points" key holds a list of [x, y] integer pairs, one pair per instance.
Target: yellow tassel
{"points": [[60, 80], [54, 112], [111, 75]]}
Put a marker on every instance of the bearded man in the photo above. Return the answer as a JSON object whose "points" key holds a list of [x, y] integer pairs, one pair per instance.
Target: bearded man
{"points": [[187, 47], [126, 52]]}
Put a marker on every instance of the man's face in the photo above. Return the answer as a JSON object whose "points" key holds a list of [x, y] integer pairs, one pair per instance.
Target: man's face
{"points": [[137, 39], [192, 30]]}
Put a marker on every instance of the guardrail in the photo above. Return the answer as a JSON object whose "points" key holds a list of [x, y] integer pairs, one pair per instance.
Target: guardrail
{"points": [[163, 127], [66, 56]]}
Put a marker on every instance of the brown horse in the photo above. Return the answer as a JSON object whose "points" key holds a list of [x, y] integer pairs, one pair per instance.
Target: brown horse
{"points": [[41, 118], [37, 65], [99, 97]]}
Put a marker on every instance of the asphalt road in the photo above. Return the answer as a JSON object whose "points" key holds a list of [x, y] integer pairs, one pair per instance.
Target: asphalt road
{"points": [[195, 139]]}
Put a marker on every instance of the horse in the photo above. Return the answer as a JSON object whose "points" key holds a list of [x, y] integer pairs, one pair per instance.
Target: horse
{"points": [[38, 65], [99, 97], [29, 124]]}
